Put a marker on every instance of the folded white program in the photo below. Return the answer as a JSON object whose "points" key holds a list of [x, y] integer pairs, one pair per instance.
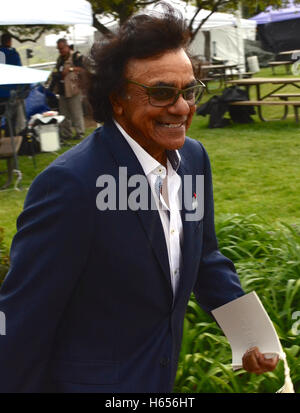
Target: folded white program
{"points": [[246, 324]]}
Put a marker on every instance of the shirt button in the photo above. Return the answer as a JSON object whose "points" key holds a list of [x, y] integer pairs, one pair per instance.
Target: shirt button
{"points": [[172, 231]]}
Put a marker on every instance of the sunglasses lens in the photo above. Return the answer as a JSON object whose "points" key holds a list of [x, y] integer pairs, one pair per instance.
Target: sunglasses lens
{"points": [[160, 95], [193, 95], [199, 93], [165, 96], [189, 95]]}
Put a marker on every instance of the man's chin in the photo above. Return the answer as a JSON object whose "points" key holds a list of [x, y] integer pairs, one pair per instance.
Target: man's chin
{"points": [[180, 143], [177, 140], [172, 138], [173, 144]]}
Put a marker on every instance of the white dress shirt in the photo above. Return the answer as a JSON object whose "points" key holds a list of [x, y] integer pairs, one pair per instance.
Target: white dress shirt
{"points": [[167, 203]]}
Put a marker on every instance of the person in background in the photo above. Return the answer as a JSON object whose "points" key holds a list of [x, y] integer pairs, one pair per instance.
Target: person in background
{"points": [[66, 83], [11, 57]]}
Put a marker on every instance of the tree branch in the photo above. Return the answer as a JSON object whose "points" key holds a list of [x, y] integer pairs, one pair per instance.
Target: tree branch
{"points": [[193, 33], [28, 39], [100, 27], [145, 3]]}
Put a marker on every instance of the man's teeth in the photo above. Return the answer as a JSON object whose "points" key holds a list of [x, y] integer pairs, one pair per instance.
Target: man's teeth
{"points": [[171, 125]]}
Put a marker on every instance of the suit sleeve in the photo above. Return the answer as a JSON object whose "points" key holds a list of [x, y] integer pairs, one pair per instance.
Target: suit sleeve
{"points": [[217, 281], [48, 255]]}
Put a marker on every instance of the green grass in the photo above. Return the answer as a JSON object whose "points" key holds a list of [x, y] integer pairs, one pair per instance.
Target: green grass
{"points": [[255, 166]]}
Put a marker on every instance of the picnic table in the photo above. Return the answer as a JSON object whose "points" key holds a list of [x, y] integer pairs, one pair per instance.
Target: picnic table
{"points": [[294, 56], [290, 52], [279, 84], [286, 63], [217, 67], [219, 70]]}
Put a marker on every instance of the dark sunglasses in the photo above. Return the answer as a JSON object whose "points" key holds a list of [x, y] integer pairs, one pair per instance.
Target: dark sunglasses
{"points": [[163, 96]]}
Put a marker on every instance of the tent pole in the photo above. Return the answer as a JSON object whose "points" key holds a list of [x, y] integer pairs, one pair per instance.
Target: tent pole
{"points": [[239, 34], [74, 38], [11, 133]]}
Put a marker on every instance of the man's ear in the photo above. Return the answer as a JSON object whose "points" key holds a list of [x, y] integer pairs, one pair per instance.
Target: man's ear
{"points": [[116, 102]]}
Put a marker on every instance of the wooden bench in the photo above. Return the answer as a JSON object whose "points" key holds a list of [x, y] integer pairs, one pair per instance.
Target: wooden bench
{"points": [[286, 63], [285, 103], [226, 76], [247, 75], [285, 96], [6, 153], [206, 81]]}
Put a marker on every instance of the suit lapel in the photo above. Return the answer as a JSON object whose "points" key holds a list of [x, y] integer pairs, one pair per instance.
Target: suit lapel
{"points": [[189, 227], [149, 219]]}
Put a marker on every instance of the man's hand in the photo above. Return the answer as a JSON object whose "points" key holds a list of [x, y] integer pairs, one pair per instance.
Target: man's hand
{"points": [[255, 362]]}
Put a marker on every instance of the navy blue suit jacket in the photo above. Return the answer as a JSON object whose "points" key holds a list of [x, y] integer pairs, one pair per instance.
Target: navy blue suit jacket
{"points": [[88, 299]]}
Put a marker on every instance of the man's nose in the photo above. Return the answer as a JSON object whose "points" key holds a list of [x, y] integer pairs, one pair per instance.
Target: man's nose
{"points": [[180, 107]]}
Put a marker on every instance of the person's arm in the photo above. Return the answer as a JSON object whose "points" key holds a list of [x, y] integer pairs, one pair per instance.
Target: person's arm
{"points": [[48, 255], [217, 281], [19, 59]]}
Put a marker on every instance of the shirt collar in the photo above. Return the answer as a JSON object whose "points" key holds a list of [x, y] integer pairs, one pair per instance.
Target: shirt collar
{"points": [[148, 163]]}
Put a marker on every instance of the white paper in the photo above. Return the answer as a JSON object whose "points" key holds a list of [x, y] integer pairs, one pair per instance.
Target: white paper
{"points": [[246, 324]]}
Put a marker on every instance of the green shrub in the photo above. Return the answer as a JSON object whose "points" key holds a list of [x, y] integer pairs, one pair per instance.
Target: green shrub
{"points": [[4, 258], [268, 262]]}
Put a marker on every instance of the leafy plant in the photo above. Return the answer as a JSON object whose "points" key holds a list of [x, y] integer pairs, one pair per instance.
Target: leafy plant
{"points": [[268, 262]]}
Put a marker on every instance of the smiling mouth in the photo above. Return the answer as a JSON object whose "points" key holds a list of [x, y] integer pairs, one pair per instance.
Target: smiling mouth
{"points": [[171, 125]]}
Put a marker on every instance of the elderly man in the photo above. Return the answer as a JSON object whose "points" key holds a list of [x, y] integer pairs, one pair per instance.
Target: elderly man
{"points": [[105, 258], [66, 83]]}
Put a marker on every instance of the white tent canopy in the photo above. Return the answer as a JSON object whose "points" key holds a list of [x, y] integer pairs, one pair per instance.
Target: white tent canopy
{"points": [[34, 12], [20, 75]]}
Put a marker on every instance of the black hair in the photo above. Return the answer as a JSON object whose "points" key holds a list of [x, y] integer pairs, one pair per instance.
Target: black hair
{"points": [[62, 40], [139, 37], [5, 38]]}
